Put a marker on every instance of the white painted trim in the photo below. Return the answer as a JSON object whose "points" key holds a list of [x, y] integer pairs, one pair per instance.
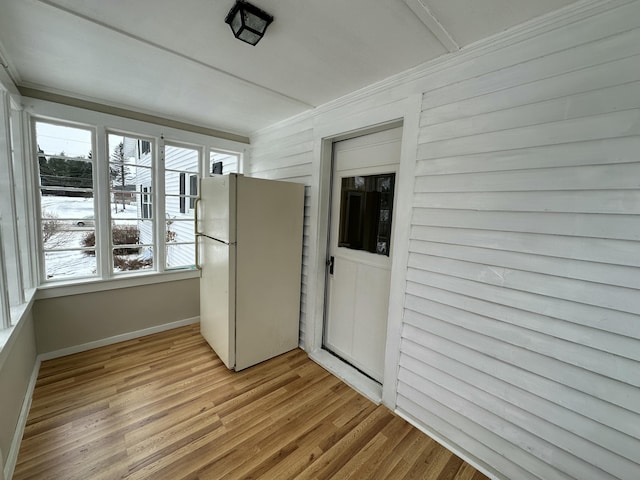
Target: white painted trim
{"points": [[433, 24], [401, 231], [99, 285], [349, 375], [12, 456], [452, 447], [318, 235], [117, 338], [555, 20], [407, 111]]}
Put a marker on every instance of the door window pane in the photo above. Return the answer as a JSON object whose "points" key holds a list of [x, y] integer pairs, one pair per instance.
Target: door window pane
{"points": [[366, 204]]}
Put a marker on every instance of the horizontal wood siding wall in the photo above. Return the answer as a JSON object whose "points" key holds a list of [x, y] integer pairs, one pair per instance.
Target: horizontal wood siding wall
{"points": [[521, 333], [521, 330], [286, 153]]}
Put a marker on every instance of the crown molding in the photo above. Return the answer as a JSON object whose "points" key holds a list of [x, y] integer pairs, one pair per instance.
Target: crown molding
{"points": [[575, 12]]}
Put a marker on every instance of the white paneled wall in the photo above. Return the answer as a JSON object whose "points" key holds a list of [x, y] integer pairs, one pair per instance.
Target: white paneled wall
{"points": [[520, 338], [287, 154]]}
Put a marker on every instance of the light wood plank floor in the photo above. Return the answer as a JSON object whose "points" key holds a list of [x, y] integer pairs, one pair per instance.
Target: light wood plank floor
{"points": [[165, 407]]}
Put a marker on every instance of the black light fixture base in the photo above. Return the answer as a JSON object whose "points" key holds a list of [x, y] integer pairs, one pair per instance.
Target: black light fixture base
{"points": [[248, 22]]}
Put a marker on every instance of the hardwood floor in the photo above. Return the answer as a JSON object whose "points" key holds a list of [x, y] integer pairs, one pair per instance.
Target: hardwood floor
{"points": [[165, 407]]}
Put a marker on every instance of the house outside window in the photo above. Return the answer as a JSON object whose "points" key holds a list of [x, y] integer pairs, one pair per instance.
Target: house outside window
{"points": [[182, 167], [67, 200], [132, 228]]}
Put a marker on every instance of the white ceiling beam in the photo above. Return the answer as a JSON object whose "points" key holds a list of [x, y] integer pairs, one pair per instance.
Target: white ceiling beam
{"points": [[432, 23]]}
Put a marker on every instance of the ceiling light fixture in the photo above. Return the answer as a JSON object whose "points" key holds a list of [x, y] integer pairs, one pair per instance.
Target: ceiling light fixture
{"points": [[248, 23]]}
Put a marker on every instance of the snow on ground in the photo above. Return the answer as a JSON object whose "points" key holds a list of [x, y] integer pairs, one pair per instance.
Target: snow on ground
{"points": [[67, 212]]}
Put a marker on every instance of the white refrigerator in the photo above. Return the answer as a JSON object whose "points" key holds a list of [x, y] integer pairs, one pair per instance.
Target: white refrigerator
{"points": [[249, 251]]}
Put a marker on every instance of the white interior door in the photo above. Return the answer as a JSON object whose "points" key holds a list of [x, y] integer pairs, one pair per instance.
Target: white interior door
{"points": [[364, 172]]}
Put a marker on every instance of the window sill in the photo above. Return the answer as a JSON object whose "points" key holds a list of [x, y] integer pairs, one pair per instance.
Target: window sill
{"points": [[8, 335], [85, 285]]}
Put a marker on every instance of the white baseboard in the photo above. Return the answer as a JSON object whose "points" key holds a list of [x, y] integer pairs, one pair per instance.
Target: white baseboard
{"points": [[12, 457], [117, 338]]}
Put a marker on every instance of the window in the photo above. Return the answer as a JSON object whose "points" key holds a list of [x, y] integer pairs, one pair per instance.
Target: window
{"points": [[193, 190], [181, 163], [114, 203], [365, 213], [230, 162], [145, 147], [67, 201], [132, 221], [145, 200], [183, 192]]}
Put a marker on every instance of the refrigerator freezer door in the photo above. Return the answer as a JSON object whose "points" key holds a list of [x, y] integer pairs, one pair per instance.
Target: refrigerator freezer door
{"points": [[216, 218], [217, 298]]}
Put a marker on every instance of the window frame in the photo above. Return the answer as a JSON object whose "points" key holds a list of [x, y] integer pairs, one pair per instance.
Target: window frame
{"points": [[16, 219], [152, 208], [95, 175], [102, 123], [185, 201]]}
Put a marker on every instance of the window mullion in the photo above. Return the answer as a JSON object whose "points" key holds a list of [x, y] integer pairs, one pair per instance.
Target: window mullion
{"points": [[159, 206], [23, 160], [103, 203], [40, 270]]}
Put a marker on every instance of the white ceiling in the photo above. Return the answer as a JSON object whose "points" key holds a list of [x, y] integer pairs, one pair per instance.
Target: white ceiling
{"points": [[178, 59]]}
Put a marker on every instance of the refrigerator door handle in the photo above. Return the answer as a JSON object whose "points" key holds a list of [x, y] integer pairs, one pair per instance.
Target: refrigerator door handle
{"points": [[198, 266], [195, 209]]}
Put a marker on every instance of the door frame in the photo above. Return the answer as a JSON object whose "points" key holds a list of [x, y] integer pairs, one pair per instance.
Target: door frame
{"points": [[340, 125]]}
